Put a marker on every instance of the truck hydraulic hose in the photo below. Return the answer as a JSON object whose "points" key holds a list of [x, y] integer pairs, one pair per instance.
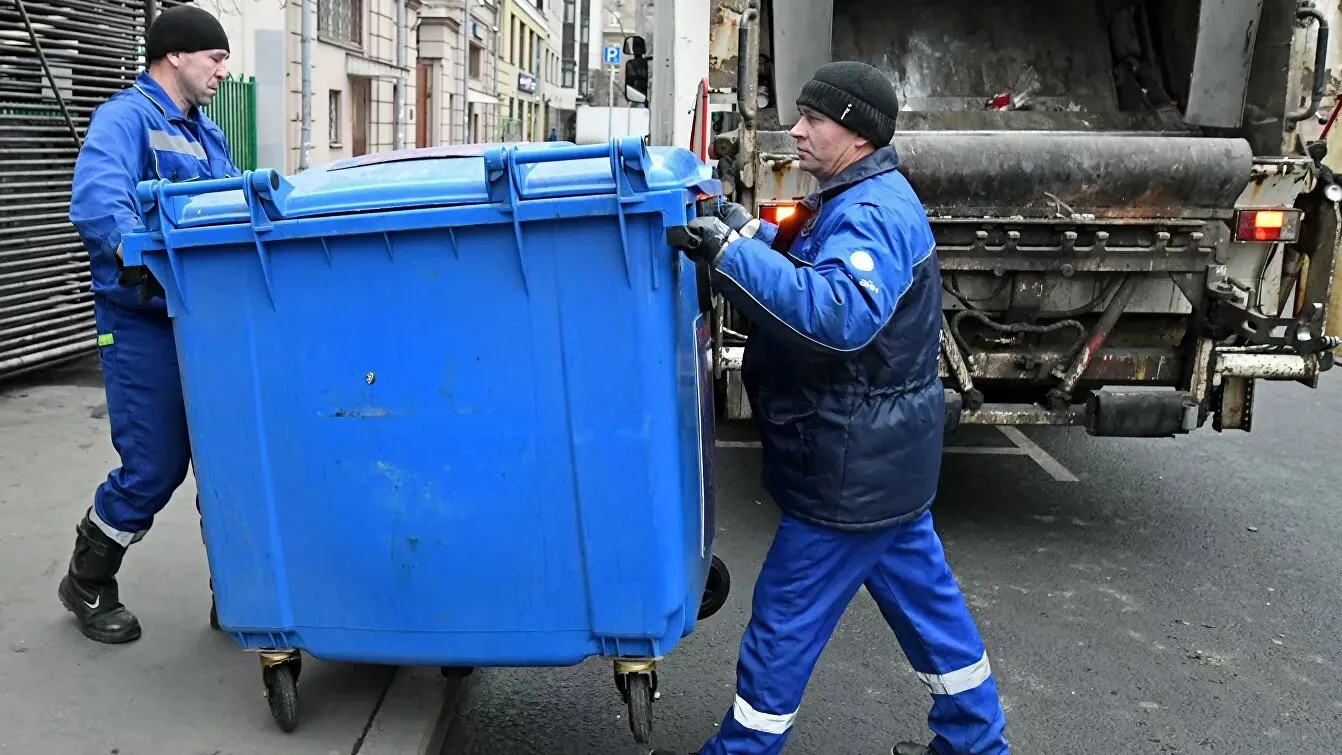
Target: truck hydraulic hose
{"points": [[1060, 398]]}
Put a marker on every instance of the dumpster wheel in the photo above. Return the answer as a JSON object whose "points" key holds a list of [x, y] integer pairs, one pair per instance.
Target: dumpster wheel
{"points": [[716, 589], [637, 683], [279, 672], [640, 707]]}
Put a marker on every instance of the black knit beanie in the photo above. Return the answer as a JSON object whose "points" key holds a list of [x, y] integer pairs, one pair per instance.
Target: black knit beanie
{"points": [[185, 28], [856, 95]]}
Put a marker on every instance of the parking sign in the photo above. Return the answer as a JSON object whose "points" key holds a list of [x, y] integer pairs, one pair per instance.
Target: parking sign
{"points": [[612, 55]]}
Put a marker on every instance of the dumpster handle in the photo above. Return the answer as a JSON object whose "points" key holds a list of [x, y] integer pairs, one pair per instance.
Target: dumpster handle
{"points": [[625, 153], [628, 155], [267, 186]]}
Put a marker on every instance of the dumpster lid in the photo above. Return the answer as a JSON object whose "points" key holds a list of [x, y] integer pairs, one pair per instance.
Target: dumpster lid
{"points": [[447, 176]]}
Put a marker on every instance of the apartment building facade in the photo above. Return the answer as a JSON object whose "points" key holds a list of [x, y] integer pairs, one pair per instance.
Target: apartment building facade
{"points": [[345, 106], [524, 62], [459, 78], [472, 71]]}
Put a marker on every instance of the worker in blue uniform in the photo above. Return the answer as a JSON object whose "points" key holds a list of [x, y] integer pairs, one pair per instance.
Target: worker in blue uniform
{"points": [[151, 130], [841, 372]]}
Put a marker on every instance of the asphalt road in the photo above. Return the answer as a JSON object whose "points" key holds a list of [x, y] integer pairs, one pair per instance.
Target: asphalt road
{"points": [[1180, 597]]}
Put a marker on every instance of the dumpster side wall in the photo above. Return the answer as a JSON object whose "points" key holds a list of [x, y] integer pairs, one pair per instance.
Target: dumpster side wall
{"points": [[413, 446]]}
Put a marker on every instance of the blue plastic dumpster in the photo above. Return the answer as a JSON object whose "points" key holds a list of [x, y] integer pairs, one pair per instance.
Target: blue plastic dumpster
{"points": [[447, 410]]}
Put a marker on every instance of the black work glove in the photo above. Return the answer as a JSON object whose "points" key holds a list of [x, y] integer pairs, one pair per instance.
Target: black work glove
{"points": [[702, 239], [736, 217], [143, 280]]}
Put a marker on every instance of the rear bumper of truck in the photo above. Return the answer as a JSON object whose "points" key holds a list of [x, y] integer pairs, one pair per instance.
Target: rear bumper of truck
{"points": [[1122, 410]]}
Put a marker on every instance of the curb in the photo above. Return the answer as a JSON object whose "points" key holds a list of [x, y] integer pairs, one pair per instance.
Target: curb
{"points": [[416, 714]]}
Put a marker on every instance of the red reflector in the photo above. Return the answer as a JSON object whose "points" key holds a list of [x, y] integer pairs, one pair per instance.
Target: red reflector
{"points": [[1268, 225], [777, 213]]}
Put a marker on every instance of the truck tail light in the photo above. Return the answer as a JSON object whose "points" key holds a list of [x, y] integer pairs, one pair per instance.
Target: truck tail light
{"points": [[776, 213], [1277, 224]]}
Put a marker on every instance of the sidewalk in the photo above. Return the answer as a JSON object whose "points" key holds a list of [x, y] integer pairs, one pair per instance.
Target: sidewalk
{"points": [[182, 689]]}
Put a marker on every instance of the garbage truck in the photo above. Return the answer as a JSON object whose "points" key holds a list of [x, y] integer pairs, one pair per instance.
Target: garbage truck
{"points": [[1134, 214]]}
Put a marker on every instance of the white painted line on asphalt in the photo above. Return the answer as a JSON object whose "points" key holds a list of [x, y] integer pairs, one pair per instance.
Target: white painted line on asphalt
{"points": [[1040, 456], [984, 450], [987, 450]]}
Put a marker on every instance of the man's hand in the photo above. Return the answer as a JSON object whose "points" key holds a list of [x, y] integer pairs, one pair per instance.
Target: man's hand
{"points": [[735, 216], [702, 239]]}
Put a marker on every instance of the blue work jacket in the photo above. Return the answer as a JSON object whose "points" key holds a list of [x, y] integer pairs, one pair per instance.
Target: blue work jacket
{"points": [[841, 364], [137, 135]]}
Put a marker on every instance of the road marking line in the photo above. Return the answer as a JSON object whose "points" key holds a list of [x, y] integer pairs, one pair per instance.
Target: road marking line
{"points": [[987, 450], [984, 450], [1040, 456]]}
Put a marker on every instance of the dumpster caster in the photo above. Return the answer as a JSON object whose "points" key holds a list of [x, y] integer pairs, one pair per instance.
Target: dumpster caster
{"points": [[637, 683], [455, 672], [279, 672], [214, 606], [716, 589]]}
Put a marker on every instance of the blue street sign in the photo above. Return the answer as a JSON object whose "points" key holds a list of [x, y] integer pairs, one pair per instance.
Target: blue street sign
{"points": [[611, 54]]}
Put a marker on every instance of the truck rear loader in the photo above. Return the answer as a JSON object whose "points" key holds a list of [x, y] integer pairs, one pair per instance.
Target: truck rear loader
{"points": [[1133, 211]]}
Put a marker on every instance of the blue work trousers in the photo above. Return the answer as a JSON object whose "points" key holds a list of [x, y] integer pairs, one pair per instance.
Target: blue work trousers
{"points": [[808, 578], [147, 418]]}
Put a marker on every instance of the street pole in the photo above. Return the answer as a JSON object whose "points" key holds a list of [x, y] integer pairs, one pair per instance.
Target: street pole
{"points": [[610, 101], [398, 87], [306, 8], [466, 72]]}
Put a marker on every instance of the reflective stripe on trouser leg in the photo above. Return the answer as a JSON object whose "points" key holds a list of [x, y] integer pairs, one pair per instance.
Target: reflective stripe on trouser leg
{"points": [[147, 417], [808, 579], [918, 596]]}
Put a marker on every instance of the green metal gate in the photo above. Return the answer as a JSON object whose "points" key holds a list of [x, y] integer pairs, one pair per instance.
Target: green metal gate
{"points": [[234, 109]]}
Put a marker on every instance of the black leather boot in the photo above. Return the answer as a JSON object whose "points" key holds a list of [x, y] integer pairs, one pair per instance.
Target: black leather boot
{"points": [[912, 748], [89, 589]]}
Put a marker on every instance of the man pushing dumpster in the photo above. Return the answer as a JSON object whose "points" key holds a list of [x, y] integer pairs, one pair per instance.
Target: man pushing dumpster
{"points": [[154, 129], [841, 371]]}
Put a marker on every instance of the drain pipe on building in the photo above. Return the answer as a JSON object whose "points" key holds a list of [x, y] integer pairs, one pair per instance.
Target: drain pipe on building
{"points": [[466, 72], [398, 96], [305, 58]]}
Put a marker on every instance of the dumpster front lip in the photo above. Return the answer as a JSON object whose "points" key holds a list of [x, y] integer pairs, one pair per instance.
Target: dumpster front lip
{"points": [[401, 181]]}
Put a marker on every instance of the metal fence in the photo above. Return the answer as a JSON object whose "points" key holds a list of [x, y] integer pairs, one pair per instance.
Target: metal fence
{"points": [[234, 109], [59, 59], [83, 51]]}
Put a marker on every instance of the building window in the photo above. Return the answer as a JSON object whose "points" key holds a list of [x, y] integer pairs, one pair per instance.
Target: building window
{"points": [[567, 81], [335, 118], [340, 20], [477, 61], [514, 36], [570, 11]]}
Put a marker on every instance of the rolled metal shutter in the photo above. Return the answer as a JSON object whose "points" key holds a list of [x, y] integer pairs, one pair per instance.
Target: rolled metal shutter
{"points": [[92, 49]]}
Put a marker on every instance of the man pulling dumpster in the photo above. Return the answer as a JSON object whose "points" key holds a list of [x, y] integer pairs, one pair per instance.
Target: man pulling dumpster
{"points": [[841, 371], [154, 129]]}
